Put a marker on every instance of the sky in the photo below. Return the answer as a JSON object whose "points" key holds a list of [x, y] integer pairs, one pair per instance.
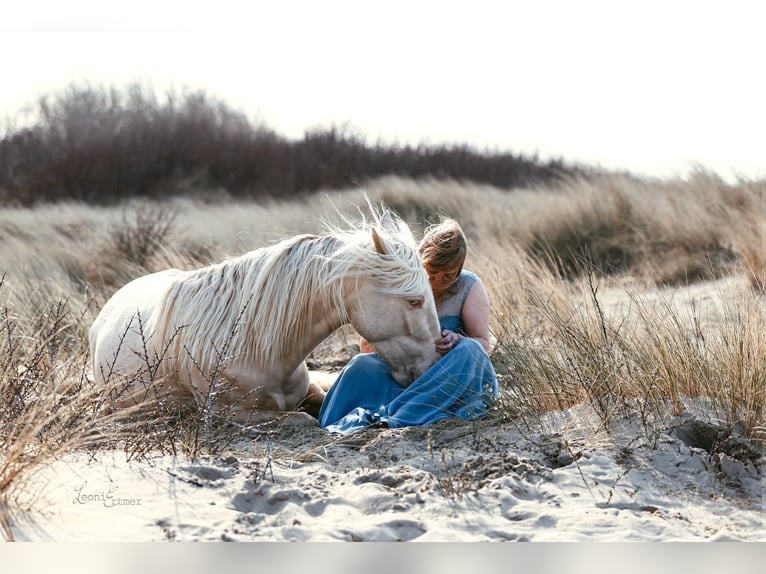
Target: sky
{"points": [[657, 88]]}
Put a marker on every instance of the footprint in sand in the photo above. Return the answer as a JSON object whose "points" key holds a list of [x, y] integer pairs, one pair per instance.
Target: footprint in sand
{"points": [[267, 498], [399, 530], [403, 530], [202, 475]]}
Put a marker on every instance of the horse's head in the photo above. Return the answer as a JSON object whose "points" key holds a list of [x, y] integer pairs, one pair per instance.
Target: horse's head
{"points": [[393, 305]]}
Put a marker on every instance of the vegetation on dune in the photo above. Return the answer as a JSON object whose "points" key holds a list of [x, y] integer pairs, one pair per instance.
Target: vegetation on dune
{"points": [[553, 247], [668, 232], [536, 249], [102, 146]]}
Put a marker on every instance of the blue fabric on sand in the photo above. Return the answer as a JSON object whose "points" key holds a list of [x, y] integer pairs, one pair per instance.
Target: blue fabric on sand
{"points": [[461, 384]]}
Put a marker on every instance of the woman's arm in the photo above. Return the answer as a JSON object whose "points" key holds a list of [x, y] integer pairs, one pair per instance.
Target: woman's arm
{"points": [[476, 314]]}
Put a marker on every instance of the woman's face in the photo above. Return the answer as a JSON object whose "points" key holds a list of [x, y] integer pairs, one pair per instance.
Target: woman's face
{"points": [[442, 280]]}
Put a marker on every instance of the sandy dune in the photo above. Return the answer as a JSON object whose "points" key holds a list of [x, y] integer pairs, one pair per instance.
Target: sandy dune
{"points": [[476, 481], [561, 478]]}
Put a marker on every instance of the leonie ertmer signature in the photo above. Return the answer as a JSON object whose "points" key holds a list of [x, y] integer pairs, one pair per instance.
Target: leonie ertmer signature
{"points": [[107, 498]]}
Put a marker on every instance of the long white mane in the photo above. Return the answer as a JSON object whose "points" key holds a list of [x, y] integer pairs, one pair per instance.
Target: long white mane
{"points": [[263, 301]]}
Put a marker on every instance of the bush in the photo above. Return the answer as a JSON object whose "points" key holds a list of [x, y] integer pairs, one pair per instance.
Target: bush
{"points": [[105, 146]]}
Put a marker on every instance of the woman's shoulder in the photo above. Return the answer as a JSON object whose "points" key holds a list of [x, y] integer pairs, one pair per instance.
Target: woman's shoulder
{"points": [[470, 284], [468, 277], [466, 280]]}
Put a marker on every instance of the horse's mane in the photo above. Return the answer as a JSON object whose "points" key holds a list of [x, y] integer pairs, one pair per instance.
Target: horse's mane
{"points": [[263, 301]]}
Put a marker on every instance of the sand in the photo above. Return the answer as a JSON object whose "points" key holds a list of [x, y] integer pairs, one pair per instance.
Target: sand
{"points": [[457, 481], [561, 478]]}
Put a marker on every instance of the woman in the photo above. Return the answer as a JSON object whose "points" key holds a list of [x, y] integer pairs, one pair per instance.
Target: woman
{"points": [[461, 384]]}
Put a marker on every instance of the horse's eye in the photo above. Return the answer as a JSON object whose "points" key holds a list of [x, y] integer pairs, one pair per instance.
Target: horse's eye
{"points": [[415, 303]]}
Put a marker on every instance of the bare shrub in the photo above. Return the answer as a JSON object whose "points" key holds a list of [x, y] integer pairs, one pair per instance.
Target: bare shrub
{"points": [[110, 145], [133, 242], [139, 236], [47, 404]]}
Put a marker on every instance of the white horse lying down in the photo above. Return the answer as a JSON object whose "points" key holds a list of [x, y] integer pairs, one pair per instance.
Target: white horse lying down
{"points": [[239, 330]]}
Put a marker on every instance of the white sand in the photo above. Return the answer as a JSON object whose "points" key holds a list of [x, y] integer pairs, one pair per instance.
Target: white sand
{"points": [[562, 479], [476, 481]]}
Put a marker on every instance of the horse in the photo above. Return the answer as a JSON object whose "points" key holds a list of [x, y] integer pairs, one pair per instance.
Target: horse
{"points": [[239, 331]]}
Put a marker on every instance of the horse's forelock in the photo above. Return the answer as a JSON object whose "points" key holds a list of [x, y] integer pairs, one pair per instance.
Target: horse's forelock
{"points": [[398, 271]]}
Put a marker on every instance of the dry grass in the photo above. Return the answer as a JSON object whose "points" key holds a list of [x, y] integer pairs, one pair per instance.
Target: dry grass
{"points": [[673, 232], [553, 260], [560, 345], [47, 405]]}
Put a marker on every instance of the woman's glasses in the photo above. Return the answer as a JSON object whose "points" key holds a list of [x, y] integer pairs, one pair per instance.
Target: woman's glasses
{"points": [[443, 277]]}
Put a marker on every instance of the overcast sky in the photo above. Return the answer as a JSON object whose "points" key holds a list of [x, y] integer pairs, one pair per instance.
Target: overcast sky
{"points": [[653, 87]]}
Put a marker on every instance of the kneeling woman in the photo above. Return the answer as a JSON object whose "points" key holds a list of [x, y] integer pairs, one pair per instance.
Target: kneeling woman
{"points": [[461, 384]]}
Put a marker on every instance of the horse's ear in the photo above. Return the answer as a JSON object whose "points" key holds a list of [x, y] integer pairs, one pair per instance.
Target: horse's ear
{"points": [[377, 241], [388, 222]]}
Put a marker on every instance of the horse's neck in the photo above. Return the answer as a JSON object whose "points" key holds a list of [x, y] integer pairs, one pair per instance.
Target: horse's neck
{"points": [[306, 316], [323, 317]]}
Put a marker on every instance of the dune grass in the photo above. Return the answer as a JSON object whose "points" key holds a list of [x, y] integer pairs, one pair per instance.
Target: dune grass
{"points": [[584, 278], [47, 404], [649, 358]]}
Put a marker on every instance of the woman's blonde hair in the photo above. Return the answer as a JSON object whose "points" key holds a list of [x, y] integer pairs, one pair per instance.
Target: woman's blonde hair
{"points": [[444, 246]]}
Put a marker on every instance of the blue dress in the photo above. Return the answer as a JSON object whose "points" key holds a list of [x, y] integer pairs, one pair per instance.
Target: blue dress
{"points": [[461, 384]]}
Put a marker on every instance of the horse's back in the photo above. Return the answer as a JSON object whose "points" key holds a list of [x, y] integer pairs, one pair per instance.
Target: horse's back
{"points": [[128, 315]]}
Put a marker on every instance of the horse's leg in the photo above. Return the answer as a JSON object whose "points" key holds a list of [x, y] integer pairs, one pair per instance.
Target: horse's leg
{"points": [[139, 398], [259, 408], [275, 419]]}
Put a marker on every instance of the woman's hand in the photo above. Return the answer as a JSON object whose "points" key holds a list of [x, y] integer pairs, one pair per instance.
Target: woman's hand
{"points": [[447, 341]]}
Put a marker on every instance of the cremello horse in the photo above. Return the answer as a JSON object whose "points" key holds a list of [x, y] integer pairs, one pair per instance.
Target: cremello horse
{"points": [[248, 323]]}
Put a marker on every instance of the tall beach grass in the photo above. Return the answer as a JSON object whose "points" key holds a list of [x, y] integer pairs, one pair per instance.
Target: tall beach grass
{"points": [[592, 283]]}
